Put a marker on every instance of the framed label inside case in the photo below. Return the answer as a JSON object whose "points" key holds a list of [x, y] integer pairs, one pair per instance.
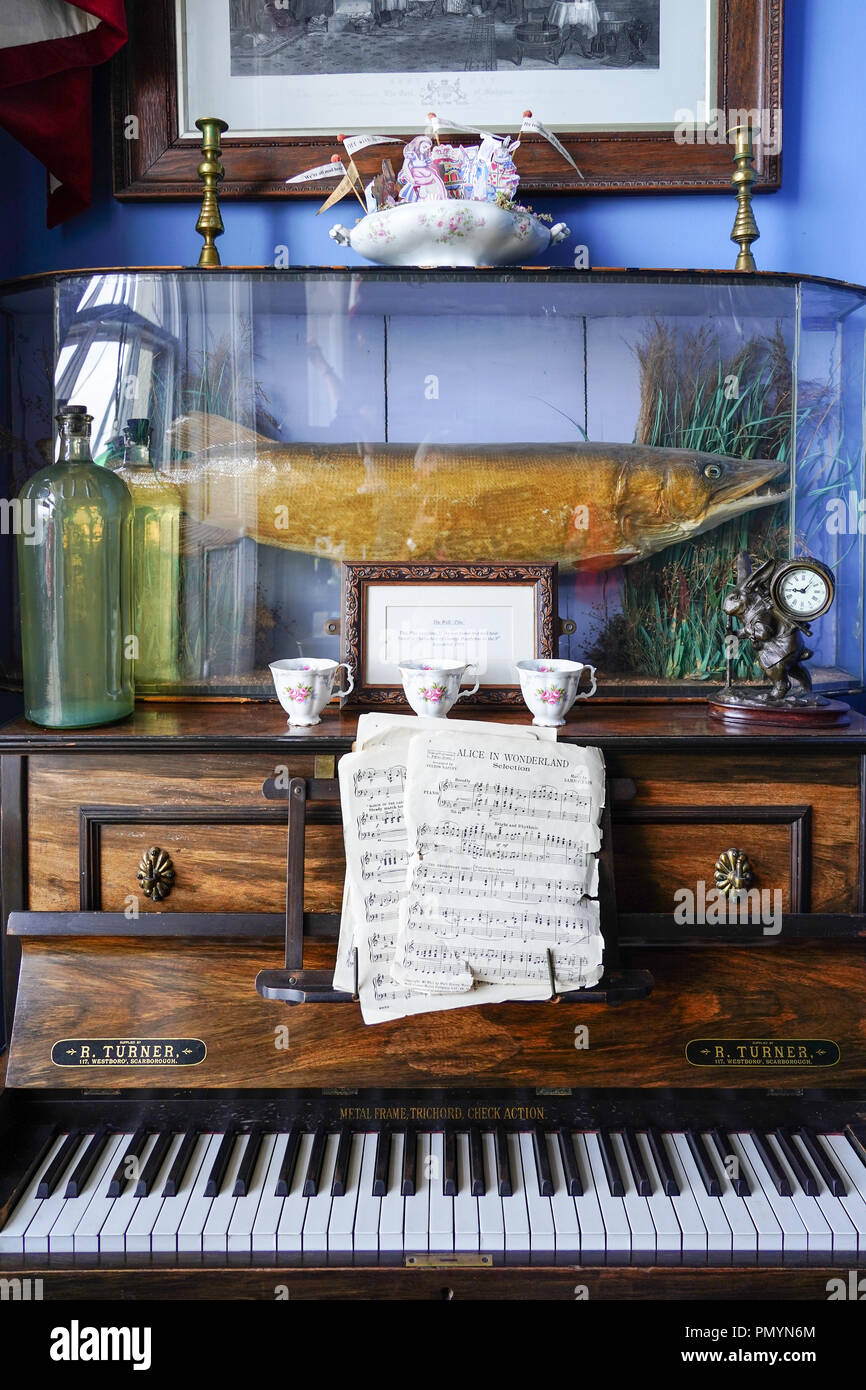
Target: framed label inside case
{"points": [[489, 616]]}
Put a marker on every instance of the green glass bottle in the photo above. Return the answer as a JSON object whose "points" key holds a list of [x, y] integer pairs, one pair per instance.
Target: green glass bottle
{"points": [[75, 578], [155, 561]]}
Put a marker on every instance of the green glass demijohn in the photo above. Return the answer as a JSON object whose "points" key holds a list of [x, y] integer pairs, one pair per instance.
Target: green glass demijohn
{"points": [[75, 578]]}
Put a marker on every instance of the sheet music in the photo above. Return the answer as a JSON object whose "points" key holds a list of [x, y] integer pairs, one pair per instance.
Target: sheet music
{"points": [[372, 783], [502, 843]]}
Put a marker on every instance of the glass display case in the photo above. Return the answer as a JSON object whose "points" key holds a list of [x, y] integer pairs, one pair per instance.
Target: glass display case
{"points": [[283, 421]]}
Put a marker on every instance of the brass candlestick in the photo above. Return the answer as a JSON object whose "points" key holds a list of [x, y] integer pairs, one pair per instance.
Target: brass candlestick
{"points": [[745, 227], [210, 171]]}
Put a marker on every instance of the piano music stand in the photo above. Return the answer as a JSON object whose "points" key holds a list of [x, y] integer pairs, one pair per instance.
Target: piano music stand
{"points": [[296, 985]]}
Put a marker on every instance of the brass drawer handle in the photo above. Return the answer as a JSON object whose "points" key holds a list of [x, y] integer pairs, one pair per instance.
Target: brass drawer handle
{"points": [[733, 872], [156, 874]]}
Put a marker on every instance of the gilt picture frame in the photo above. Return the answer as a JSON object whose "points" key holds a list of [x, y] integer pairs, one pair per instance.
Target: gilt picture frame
{"points": [[180, 57], [488, 615]]}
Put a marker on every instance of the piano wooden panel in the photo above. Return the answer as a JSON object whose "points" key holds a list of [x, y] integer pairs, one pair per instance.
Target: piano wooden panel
{"points": [[77, 988]]}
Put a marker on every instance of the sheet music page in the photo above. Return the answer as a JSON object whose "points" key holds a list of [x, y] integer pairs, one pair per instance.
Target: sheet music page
{"points": [[502, 843], [372, 782]]}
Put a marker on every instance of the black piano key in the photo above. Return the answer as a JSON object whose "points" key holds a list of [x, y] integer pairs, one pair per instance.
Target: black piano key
{"points": [[636, 1164], [248, 1162], [57, 1167], [180, 1163], [314, 1166], [216, 1176], [341, 1164], [709, 1177], [792, 1156], [449, 1186], [155, 1159], [670, 1184], [542, 1163], [725, 1150], [476, 1163], [503, 1164], [410, 1157], [128, 1166], [288, 1161], [856, 1143], [573, 1182], [86, 1164], [611, 1167], [823, 1164], [382, 1165], [779, 1181]]}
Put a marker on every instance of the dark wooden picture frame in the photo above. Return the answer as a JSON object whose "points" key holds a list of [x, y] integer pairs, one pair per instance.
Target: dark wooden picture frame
{"points": [[357, 580], [158, 164]]}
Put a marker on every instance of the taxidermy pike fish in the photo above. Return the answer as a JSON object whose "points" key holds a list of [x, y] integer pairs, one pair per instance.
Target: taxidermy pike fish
{"points": [[590, 506]]}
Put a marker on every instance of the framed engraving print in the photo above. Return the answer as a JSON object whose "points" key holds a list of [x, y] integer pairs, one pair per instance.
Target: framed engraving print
{"points": [[488, 615], [615, 78]]}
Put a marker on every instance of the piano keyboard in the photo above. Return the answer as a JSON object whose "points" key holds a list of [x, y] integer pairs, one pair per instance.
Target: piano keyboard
{"points": [[340, 1196]]}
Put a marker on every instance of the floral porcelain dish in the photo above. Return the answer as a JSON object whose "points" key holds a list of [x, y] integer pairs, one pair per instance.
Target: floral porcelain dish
{"points": [[450, 232]]}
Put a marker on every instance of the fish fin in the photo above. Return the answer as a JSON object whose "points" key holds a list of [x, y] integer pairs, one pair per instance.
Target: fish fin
{"points": [[608, 562], [200, 431], [196, 536]]}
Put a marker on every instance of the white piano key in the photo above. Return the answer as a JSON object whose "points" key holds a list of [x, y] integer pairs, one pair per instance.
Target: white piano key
{"points": [[542, 1235], [112, 1234], [842, 1227], [744, 1236], [147, 1209], [391, 1210], [593, 1234], [695, 1238], [290, 1238], [341, 1224], [441, 1207], [514, 1213], [197, 1210], [854, 1203], [369, 1210], [566, 1226], [36, 1237], [61, 1237], [669, 1237], [239, 1234], [12, 1234], [795, 1246], [490, 1220], [767, 1228], [819, 1237], [466, 1233], [643, 1231], [720, 1240], [266, 1217], [315, 1234], [163, 1240], [617, 1231], [416, 1212], [215, 1232]]}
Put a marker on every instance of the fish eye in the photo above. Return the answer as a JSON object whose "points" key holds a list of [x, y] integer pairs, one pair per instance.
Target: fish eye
{"points": [[713, 470]]}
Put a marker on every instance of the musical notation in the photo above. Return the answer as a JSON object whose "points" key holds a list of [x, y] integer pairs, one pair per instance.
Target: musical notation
{"points": [[543, 927], [382, 907], [385, 823], [511, 844], [369, 781], [517, 888], [389, 866], [497, 799]]}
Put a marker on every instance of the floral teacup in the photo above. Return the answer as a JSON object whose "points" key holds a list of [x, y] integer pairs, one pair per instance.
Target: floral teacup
{"points": [[432, 686], [550, 688], [305, 684]]}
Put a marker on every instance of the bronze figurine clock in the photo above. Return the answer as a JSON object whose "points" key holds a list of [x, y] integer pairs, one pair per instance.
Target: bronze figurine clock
{"points": [[774, 606]]}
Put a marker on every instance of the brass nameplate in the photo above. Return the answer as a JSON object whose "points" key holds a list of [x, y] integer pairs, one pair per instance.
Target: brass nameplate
{"points": [[443, 1260], [128, 1052], [762, 1052]]}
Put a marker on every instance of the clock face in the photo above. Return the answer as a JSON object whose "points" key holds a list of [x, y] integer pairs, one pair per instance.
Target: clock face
{"points": [[805, 592]]}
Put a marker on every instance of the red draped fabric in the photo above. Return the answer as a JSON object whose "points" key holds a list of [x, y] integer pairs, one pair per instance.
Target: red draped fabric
{"points": [[47, 51]]}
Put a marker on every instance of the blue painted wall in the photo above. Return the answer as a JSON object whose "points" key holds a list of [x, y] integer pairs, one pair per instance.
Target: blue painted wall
{"points": [[814, 225]]}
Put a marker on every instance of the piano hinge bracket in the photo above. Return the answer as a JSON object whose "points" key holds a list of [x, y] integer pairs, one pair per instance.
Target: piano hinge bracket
{"points": [[444, 1260]]}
